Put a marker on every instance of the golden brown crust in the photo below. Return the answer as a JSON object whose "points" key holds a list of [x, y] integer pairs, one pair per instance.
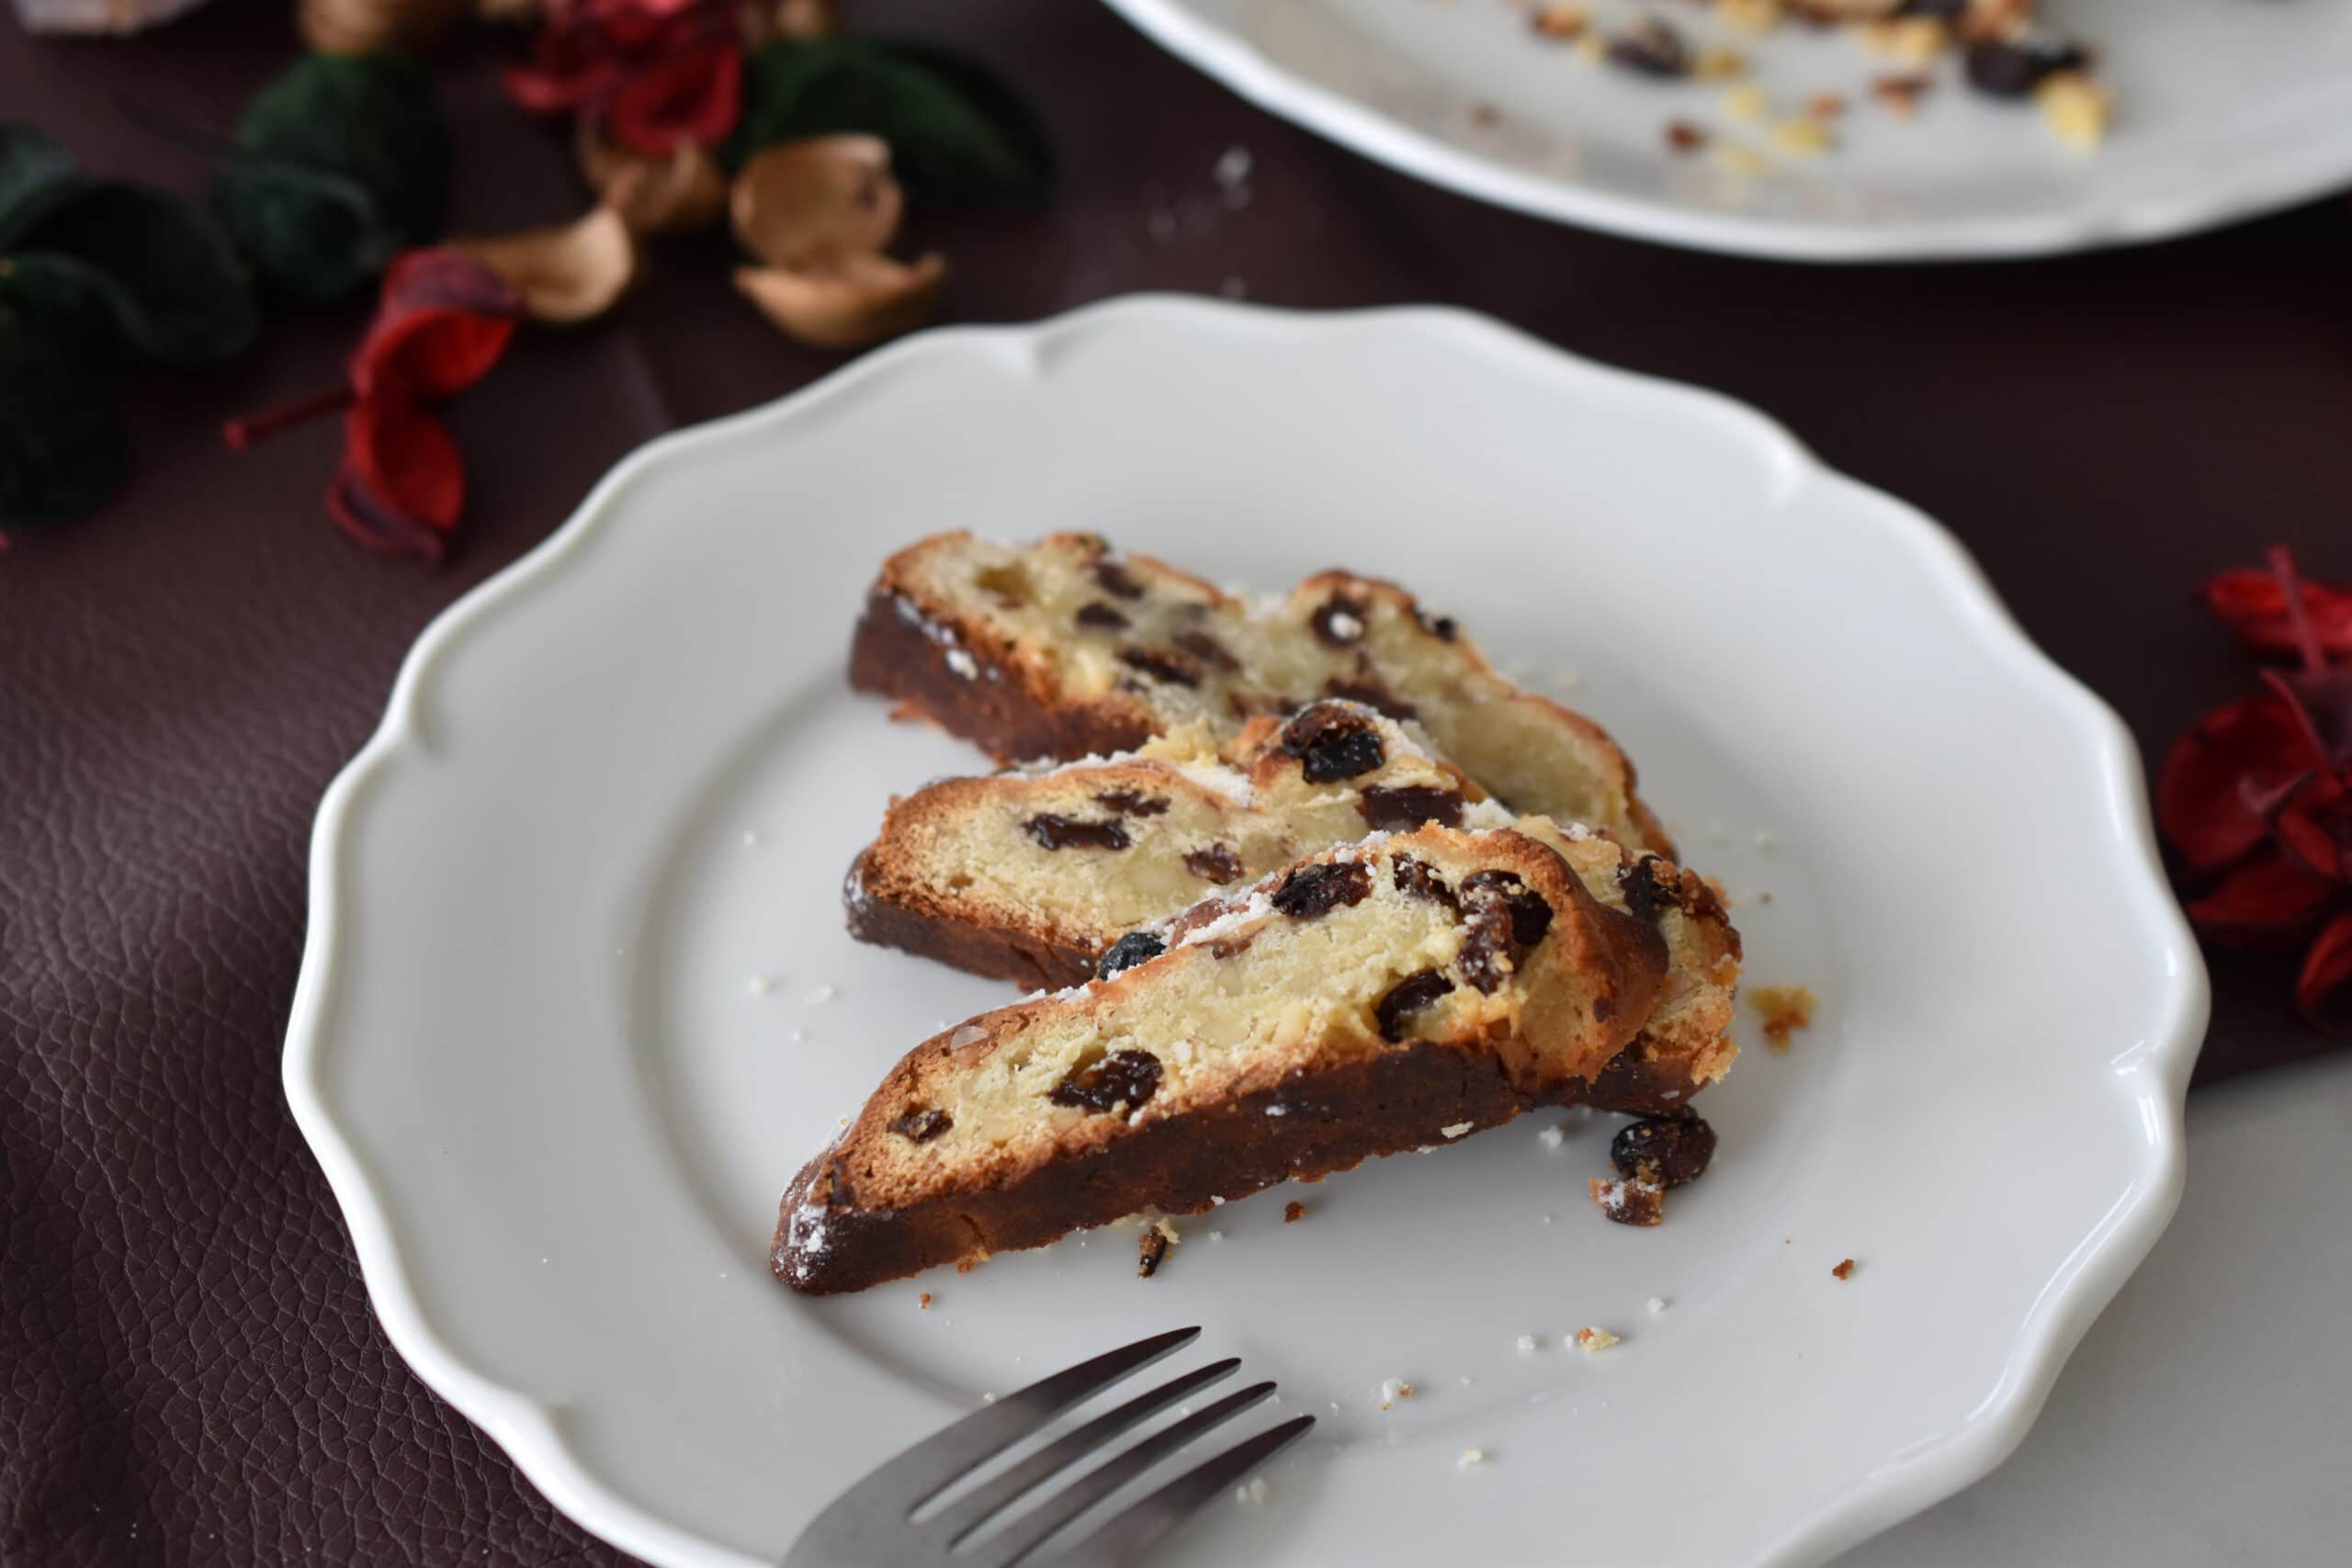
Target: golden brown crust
{"points": [[1065, 1110], [989, 659]]}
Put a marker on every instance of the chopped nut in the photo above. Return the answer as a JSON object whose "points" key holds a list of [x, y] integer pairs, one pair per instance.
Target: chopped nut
{"points": [[1595, 1338], [1561, 21], [1472, 1455], [1681, 136], [1901, 94], [2075, 107], [1844, 1270], [1393, 1390], [1784, 1009], [1825, 106], [1293, 1212], [1151, 1250]]}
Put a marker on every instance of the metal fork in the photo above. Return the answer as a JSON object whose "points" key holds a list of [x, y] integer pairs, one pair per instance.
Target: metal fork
{"points": [[871, 1525]]}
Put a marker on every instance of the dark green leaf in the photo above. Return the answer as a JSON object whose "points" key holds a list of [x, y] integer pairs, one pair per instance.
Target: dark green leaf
{"points": [[68, 300], [35, 174], [64, 447], [344, 162], [956, 131], [172, 285]]}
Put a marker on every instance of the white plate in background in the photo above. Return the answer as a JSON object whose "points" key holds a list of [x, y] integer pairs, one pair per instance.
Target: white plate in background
{"points": [[2224, 109], [623, 778]]}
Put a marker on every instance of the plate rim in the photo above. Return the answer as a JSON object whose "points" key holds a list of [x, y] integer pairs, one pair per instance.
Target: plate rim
{"points": [[1226, 57], [530, 1431]]}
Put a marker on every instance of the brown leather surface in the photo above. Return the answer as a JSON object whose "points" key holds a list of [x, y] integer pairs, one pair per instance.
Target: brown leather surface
{"points": [[189, 1372]]}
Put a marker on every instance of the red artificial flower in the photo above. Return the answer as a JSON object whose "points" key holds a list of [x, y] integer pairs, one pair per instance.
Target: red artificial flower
{"points": [[656, 73], [443, 320], [2260, 790], [2254, 605]]}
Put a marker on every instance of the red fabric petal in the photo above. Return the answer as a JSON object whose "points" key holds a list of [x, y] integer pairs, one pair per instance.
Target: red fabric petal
{"points": [[443, 322], [2326, 968], [407, 459], [695, 96], [2209, 795], [2253, 605], [374, 522], [2270, 898], [552, 84]]}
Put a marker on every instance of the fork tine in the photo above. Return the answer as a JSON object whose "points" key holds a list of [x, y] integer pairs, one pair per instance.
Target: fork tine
{"points": [[919, 1474], [1138, 1530], [967, 1514], [1027, 1533]]}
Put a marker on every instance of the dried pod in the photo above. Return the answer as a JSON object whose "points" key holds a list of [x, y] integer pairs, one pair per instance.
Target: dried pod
{"points": [[364, 27], [653, 195], [567, 273], [808, 205], [858, 300]]}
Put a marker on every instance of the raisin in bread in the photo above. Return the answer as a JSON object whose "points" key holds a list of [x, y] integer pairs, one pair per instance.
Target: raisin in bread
{"points": [[1378, 996], [1062, 649], [1035, 876]]}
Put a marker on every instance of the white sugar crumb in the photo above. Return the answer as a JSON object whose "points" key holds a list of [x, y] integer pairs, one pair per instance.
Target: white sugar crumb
{"points": [[1234, 166], [988, 1399], [1216, 1201], [1472, 1457], [1216, 1235], [1766, 839], [1344, 626], [759, 985], [966, 1034], [820, 995], [1547, 1219], [751, 839], [1595, 1338], [841, 1120], [1392, 1391], [1278, 1110], [794, 1037], [963, 663], [1552, 1138], [1529, 1344], [1655, 1305], [1253, 1492], [1456, 1130]]}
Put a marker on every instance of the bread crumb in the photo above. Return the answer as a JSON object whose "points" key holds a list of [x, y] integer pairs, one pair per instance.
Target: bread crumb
{"points": [[1716, 63], [967, 1265], [760, 984], [1900, 96], [1529, 1344], [924, 1302], [1457, 1129], [1151, 1250], [1293, 1212], [1844, 1270], [1592, 49], [2074, 106], [1749, 16], [1595, 1338], [1825, 106], [1784, 1009], [1681, 136], [1633, 1202], [1655, 1305], [1745, 162], [1552, 1138], [1908, 41], [1471, 1457], [820, 995], [1806, 138], [1392, 1391], [1746, 104]]}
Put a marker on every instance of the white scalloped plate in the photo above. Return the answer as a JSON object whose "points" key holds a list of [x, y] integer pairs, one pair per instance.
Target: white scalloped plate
{"points": [[623, 779], [2225, 109]]}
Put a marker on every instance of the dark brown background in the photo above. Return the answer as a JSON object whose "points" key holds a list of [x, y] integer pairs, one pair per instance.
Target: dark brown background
{"points": [[188, 1367]]}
